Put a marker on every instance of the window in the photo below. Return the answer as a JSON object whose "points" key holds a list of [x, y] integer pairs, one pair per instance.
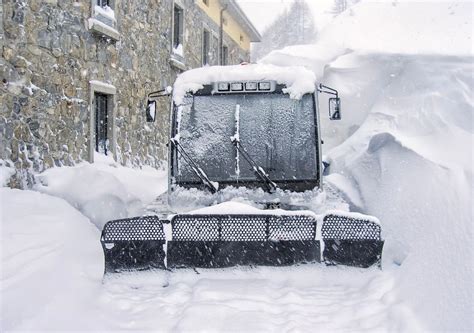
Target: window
{"points": [[102, 21], [101, 123], [206, 2], [103, 3], [206, 39], [177, 27], [241, 38], [214, 56], [225, 55]]}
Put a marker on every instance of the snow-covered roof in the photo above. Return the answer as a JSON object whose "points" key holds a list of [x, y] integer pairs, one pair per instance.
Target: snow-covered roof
{"points": [[235, 10], [298, 80]]}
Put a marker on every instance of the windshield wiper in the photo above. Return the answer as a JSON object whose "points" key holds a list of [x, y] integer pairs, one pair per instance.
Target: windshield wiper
{"points": [[258, 170], [213, 186]]}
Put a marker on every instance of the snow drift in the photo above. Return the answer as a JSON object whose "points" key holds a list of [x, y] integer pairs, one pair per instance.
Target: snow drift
{"points": [[404, 73], [382, 28], [105, 190], [411, 161], [49, 253]]}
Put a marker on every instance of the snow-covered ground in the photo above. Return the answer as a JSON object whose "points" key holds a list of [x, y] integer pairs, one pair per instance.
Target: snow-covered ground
{"points": [[402, 153], [52, 266]]}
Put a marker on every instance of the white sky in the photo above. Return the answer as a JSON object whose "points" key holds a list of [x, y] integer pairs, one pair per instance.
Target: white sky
{"points": [[262, 12]]}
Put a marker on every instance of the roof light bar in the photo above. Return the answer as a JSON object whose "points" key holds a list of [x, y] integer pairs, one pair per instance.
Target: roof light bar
{"points": [[237, 86], [242, 86], [266, 86], [223, 86], [251, 86]]}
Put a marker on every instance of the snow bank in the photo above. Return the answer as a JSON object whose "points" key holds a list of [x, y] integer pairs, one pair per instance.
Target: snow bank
{"points": [[6, 172], [404, 73], [50, 253], [412, 162], [404, 28], [104, 190], [298, 80]]}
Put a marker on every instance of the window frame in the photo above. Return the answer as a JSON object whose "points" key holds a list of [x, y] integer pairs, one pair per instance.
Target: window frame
{"points": [[103, 88], [101, 113], [101, 3], [225, 55], [180, 26], [299, 185], [204, 55]]}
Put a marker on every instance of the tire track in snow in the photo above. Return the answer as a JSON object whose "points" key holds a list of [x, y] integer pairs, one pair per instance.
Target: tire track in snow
{"points": [[303, 298]]}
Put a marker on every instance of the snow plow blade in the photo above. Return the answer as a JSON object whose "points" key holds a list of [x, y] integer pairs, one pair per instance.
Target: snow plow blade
{"points": [[230, 240], [136, 243], [212, 241], [351, 241]]}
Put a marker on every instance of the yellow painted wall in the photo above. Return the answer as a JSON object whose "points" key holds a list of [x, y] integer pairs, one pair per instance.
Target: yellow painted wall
{"points": [[232, 28]]}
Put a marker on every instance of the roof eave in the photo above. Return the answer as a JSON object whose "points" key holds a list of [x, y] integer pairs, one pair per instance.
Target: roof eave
{"points": [[234, 8]]}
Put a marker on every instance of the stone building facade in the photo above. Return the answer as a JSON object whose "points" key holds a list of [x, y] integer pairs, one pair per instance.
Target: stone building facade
{"points": [[76, 73]]}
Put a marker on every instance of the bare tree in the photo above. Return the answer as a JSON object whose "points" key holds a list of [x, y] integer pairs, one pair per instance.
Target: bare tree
{"points": [[341, 6], [294, 26]]}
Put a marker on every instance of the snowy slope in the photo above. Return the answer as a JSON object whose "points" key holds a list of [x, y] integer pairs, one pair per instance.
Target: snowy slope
{"points": [[380, 28], [405, 74], [412, 162]]}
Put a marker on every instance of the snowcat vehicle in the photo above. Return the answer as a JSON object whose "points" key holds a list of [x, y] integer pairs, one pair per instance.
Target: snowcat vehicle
{"points": [[249, 136]]}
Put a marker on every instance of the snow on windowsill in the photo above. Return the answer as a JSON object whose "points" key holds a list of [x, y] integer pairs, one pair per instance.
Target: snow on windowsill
{"points": [[104, 86], [105, 11], [177, 61], [178, 50], [102, 28]]}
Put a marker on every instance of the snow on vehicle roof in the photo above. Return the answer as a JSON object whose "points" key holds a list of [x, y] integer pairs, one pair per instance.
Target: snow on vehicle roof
{"points": [[299, 81]]}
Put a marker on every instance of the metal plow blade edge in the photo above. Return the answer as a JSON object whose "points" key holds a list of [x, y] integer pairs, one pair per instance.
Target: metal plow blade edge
{"points": [[211, 241]]}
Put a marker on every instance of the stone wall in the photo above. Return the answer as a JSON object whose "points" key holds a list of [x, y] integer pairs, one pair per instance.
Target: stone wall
{"points": [[49, 57]]}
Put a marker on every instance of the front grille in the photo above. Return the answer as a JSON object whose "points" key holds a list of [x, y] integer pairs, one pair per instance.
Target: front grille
{"points": [[343, 227], [134, 229], [243, 227], [297, 227]]}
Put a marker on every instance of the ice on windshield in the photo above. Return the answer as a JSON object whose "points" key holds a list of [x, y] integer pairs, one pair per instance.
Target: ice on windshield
{"points": [[278, 132]]}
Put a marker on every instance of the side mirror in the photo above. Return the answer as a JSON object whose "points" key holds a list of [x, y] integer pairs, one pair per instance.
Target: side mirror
{"points": [[335, 108], [151, 111], [151, 104]]}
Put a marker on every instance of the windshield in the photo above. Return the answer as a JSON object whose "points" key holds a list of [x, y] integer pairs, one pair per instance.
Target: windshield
{"points": [[278, 132]]}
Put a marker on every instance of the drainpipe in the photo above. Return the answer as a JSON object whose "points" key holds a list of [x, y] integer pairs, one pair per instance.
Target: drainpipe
{"points": [[221, 35]]}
